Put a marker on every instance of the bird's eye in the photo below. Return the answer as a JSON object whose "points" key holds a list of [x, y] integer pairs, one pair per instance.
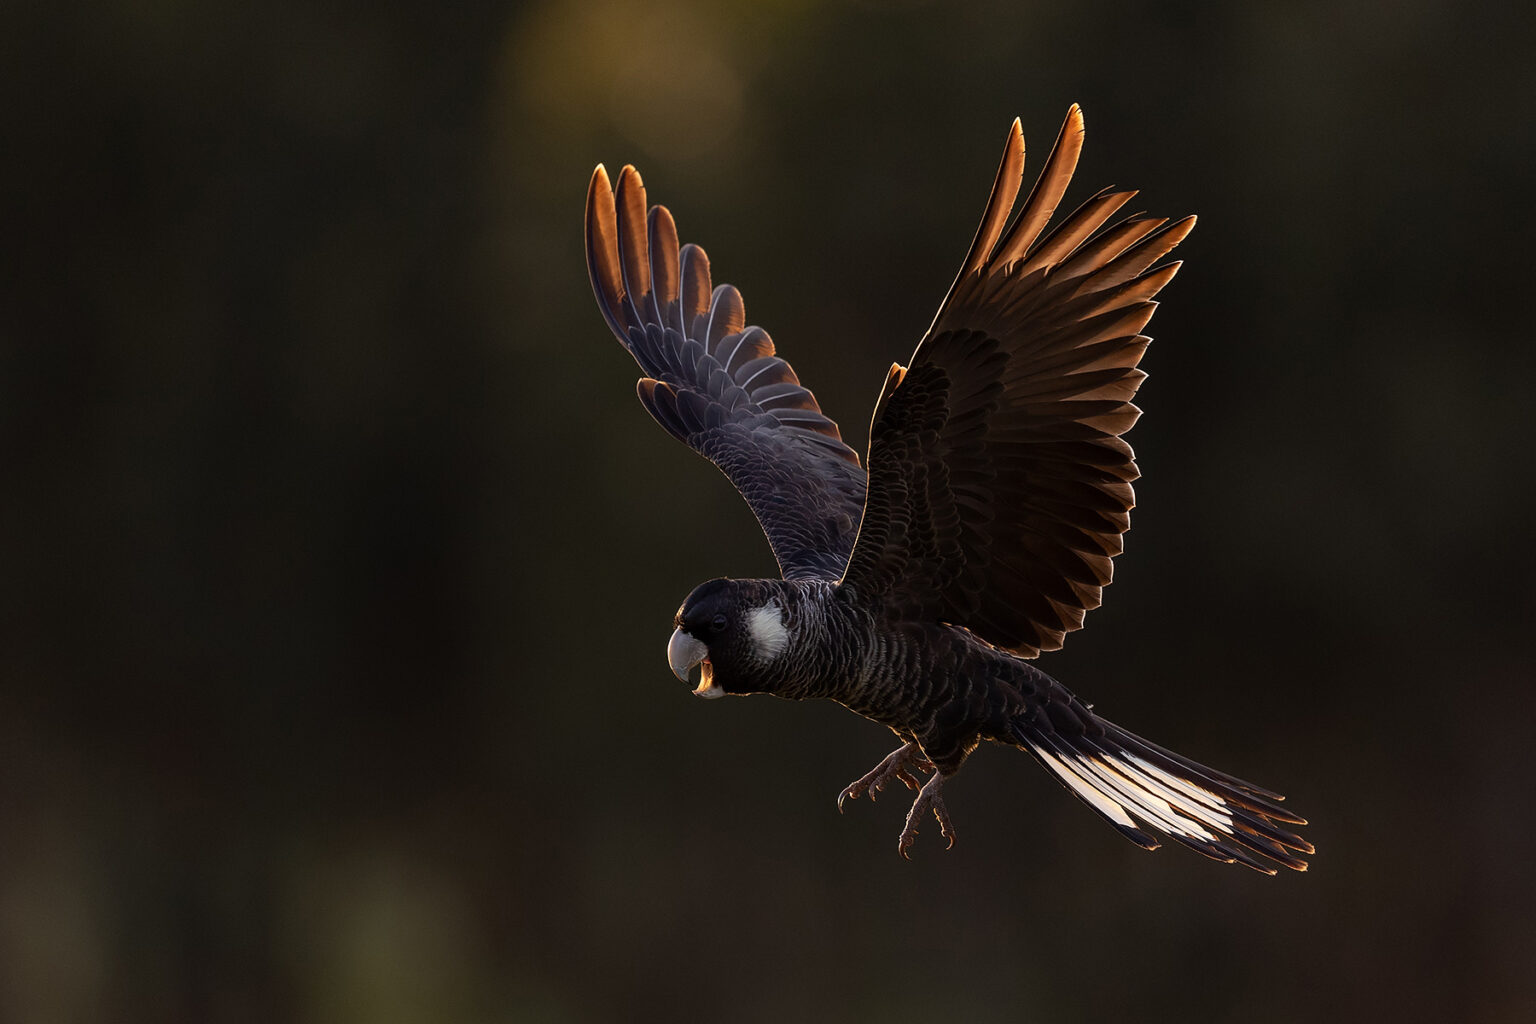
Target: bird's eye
{"points": [[717, 623]]}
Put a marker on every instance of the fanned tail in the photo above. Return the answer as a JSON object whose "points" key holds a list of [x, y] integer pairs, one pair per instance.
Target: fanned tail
{"points": [[1144, 791]]}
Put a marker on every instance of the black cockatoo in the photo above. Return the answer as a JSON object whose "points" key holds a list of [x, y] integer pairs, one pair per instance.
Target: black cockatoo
{"points": [[997, 489]]}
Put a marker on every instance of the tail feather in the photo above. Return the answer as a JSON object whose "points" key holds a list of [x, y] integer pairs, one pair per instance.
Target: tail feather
{"points": [[1145, 791], [1093, 795], [1204, 792]]}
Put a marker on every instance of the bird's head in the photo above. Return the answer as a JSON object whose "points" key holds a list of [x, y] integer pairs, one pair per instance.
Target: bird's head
{"points": [[733, 630]]}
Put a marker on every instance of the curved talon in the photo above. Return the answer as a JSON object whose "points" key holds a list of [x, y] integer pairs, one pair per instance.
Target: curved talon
{"points": [[852, 792], [946, 829]]}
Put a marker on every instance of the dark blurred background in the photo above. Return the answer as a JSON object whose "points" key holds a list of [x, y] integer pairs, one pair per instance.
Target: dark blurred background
{"points": [[337, 558]]}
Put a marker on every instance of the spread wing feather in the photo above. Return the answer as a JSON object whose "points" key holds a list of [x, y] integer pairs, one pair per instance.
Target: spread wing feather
{"points": [[999, 484], [717, 385]]}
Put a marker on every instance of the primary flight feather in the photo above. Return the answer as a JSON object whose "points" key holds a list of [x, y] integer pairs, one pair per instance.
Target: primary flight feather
{"points": [[983, 530]]}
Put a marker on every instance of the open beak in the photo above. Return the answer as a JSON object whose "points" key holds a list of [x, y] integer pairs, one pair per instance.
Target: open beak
{"points": [[683, 653]]}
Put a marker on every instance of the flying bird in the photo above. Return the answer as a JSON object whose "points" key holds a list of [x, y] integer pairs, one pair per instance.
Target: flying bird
{"points": [[917, 586]]}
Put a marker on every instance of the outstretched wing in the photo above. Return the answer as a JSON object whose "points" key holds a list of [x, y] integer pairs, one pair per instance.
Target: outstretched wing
{"points": [[999, 485], [716, 385]]}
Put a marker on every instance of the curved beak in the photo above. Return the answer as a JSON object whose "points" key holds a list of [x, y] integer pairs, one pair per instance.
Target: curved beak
{"points": [[683, 653]]}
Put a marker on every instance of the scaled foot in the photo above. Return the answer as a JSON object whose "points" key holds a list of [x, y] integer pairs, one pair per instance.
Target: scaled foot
{"points": [[895, 766], [928, 799]]}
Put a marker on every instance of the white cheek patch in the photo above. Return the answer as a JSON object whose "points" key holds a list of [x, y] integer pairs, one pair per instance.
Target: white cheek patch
{"points": [[769, 635]]}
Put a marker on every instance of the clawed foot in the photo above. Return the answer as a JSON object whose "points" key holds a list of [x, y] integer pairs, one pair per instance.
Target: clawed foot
{"points": [[894, 766], [899, 765], [928, 799]]}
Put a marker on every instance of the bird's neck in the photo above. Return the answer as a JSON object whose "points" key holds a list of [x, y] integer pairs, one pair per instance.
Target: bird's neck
{"points": [[829, 644], [807, 667]]}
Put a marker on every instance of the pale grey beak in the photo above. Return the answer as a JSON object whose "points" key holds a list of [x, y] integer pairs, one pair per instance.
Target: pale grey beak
{"points": [[683, 653]]}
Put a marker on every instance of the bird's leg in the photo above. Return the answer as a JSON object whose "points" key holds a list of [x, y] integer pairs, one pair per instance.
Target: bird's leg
{"points": [[928, 799], [895, 765]]}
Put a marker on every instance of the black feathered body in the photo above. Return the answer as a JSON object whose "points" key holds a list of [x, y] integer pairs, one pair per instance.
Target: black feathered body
{"points": [[936, 684]]}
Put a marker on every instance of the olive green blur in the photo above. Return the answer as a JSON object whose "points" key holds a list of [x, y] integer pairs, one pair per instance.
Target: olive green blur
{"points": [[338, 559]]}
